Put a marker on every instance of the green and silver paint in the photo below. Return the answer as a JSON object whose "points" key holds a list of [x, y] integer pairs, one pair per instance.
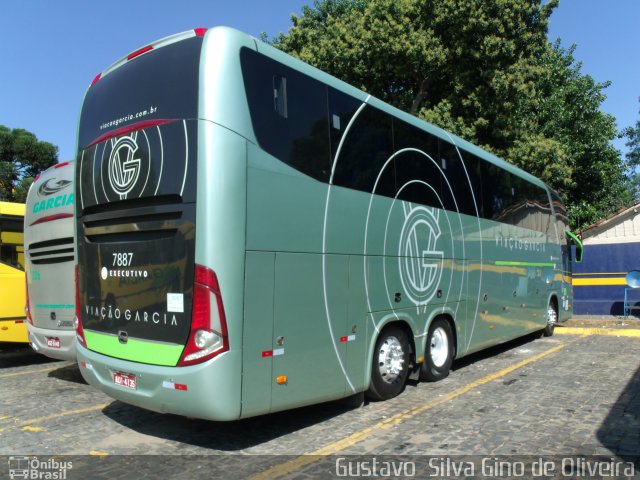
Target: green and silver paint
{"points": [[311, 272]]}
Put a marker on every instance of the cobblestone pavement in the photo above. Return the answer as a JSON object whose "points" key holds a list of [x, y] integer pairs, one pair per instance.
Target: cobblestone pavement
{"points": [[574, 394]]}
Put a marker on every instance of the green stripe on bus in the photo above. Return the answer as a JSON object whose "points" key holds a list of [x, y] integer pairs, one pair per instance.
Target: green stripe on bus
{"points": [[50, 305], [142, 351], [524, 264]]}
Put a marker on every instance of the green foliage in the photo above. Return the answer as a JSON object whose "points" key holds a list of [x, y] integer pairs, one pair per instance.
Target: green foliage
{"points": [[22, 156], [485, 71], [633, 156]]}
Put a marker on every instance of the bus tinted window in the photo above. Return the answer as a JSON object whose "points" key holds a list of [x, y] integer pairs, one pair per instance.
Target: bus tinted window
{"points": [[561, 218], [341, 110], [366, 149], [419, 177], [161, 84], [459, 177], [471, 171], [496, 191], [10, 246], [288, 113]]}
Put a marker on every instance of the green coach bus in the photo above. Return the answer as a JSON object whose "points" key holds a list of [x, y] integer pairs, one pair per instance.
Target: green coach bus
{"points": [[255, 235]]}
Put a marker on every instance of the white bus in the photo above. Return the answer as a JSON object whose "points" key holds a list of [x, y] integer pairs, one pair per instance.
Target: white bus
{"points": [[49, 244]]}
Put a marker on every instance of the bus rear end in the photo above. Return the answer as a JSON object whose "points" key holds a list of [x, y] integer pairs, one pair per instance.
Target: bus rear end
{"points": [[49, 247], [151, 321]]}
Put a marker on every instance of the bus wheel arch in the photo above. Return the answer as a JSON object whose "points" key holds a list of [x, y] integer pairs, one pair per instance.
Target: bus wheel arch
{"points": [[440, 349], [551, 316], [392, 356]]}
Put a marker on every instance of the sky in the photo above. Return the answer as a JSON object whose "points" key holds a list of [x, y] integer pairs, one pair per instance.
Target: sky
{"points": [[50, 51]]}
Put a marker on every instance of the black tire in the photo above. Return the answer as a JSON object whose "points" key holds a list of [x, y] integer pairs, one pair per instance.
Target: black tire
{"points": [[438, 355], [552, 318], [390, 364]]}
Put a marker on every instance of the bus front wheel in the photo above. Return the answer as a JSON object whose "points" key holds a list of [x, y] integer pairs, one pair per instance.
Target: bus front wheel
{"points": [[438, 355], [390, 366]]}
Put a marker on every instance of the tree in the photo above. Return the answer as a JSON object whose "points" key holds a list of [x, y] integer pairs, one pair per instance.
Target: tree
{"points": [[566, 110], [633, 156], [483, 70], [22, 157]]}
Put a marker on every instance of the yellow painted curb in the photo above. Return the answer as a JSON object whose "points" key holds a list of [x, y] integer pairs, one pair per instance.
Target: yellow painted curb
{"points": [[29, 428], [97, 453], [612, 332]]}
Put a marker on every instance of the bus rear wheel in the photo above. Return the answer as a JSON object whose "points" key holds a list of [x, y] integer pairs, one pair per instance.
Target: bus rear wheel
{"points": [[438, 355], [390, 366], [552, 318]]}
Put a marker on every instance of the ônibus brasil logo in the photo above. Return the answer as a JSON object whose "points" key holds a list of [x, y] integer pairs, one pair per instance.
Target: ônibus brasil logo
{"points": [[124, 167], [419, 259]]}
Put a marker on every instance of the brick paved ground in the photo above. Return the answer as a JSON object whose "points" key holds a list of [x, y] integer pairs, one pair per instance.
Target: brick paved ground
{"points": [[576, 396]]}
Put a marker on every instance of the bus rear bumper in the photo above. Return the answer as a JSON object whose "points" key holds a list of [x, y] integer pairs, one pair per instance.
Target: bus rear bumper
{"points": [[210, 390], [14, 330], [58, 344]]}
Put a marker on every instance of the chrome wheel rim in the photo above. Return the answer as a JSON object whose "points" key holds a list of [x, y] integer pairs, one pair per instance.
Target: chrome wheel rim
{"points": [[552, 316], [390, 359], [439, 347]]}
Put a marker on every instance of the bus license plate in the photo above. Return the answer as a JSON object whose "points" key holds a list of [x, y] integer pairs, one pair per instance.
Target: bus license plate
{"points": [[125, 380], [53, 342]]}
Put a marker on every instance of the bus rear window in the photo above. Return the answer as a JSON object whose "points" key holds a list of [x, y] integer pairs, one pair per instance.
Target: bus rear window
{"points": [[161, 84]]}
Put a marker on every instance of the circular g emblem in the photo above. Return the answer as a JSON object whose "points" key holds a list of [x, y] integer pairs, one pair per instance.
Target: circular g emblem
{"points": [[124, 167], [420, 260]]}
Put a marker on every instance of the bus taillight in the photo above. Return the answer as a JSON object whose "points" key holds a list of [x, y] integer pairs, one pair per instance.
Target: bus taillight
{"points": [[208, 336], [78, 319], [139, 52], [95, 79], [27, 310]]}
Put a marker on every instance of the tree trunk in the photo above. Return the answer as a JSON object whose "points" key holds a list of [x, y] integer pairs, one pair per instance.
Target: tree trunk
{"points": [[422, 94]]}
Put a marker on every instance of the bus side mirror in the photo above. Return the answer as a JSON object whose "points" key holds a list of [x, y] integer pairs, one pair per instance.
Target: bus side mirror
{"points": [[576, 241]]}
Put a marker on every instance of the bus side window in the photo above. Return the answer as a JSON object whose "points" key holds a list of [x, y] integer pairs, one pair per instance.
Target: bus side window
{"points": [[418, 173], [497, 195], [363, 163], [288, 113], [280, 95], [9, 256]]}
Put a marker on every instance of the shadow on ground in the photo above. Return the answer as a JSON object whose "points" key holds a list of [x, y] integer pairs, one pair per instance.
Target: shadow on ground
{"points": [[20, 355], [68, 373], [222, 436], [243, 434], [620, 431]]}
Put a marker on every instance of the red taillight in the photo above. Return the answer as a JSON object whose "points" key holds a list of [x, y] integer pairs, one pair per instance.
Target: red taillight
{"points": [[27, 310], [95, 79], [208, 336], [36, 179], [58, 165], [137, 53], [200, 31], [78, 320]]}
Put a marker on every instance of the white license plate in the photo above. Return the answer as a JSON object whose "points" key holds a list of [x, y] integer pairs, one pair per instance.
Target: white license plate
{"points": [[53, 342], [125, 380]]}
